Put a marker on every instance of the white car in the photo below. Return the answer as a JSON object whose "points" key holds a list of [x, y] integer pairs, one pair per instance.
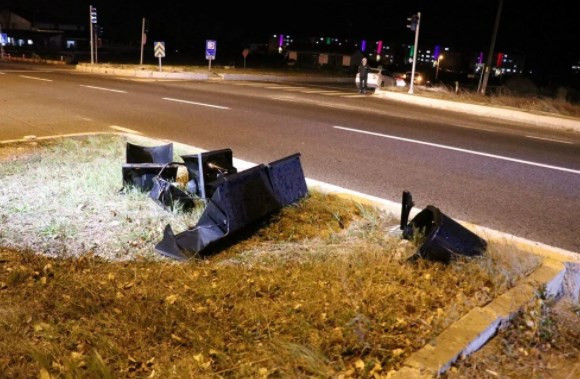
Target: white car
{"points": [[377, 78]]}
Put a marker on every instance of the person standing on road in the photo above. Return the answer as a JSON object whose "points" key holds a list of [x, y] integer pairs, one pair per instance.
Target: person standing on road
{"points": [[363, 72]]}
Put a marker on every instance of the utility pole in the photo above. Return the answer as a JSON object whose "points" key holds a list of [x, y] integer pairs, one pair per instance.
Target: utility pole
{"points": [[491, 49], [143, 40], [418, 21]]}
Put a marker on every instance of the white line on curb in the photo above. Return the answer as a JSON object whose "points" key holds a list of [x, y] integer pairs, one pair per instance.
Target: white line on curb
{"points": [[195, 103], [550, 139], [122, 129], [473, 152], [103, 89], [35, 78]]}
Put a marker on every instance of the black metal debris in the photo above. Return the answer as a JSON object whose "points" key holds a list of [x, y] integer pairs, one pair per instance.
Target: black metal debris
{"points": [[444, 238], [237, 202], [144, 163]]}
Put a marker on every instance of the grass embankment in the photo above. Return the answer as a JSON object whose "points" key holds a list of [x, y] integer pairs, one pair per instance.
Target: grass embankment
{"points": [[322, 289], [532, 104], [230, 70]]}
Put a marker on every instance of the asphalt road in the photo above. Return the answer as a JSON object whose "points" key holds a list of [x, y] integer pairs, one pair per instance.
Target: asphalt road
{"points": [[517, 179]]}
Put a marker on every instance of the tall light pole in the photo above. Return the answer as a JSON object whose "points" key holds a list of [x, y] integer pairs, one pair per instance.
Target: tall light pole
{"points": [[416, 26], [487, 67], [439, 59], [143, 40]]}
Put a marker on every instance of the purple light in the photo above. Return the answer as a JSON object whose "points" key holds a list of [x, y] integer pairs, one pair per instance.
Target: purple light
{"points": [[480, 60], [363, 45], [281, 41], [436, 52]]}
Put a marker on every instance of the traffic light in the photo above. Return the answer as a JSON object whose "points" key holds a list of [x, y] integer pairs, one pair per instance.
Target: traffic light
{"points": [[413, 20], [100, 31], [93, 15], [146, 27]]}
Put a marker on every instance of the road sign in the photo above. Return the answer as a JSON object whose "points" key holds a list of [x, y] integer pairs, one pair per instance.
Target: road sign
{"points": [[159, 49], [3, 39], [210, 50], [245, 52]]}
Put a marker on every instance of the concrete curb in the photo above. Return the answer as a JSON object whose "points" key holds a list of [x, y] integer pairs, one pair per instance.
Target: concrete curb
{"points": [[141, 73], [96, 69], [473, 330], [562, 123], [558, 274]]}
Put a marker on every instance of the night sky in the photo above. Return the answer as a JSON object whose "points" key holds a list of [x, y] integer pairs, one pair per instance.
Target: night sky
{"points": [[549, 31]]}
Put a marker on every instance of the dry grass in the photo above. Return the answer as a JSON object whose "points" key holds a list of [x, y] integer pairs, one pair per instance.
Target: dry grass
{"points": [[323, 289], [543, 341], [62, 198]]}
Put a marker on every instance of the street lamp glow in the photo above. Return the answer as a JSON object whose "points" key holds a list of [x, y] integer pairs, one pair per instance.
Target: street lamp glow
{"points": [[439, 59]]}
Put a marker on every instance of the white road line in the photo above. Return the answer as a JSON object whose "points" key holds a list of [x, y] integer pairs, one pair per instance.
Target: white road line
{"points": [[319, 91], [195, 103], [550, 139], [122, 129], [286, 87], [285, 99], [563, 169], [104, 89], [355, 96], [35, 78], [2, 73], [337, 94]]}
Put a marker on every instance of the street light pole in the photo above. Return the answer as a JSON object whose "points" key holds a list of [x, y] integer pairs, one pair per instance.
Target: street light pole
{"points": [[142, 41], [439, 58], [415, 53], [491, 49]]}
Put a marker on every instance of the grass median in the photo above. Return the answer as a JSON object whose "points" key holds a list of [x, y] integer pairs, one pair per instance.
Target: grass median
{"points": [[323, 288]]}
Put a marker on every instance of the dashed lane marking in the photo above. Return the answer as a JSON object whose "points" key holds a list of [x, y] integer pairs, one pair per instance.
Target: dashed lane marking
{"points": [[103, 89], [550, 139], [35, 78], [196, 103], [122, 129]]}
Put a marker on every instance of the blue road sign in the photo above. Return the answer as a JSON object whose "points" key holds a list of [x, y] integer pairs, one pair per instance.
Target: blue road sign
{"points": [[210, 49], [3, 39]]}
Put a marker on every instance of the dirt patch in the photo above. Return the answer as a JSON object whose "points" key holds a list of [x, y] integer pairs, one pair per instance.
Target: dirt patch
{"points": [[543, 341]]}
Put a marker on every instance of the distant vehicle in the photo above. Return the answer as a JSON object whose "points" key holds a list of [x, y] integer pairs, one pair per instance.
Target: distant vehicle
{"points": [[418, 77], [378, 77]]}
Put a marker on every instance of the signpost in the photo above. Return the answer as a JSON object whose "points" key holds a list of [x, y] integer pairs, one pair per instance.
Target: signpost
{"points": [[159, 50], [245, 54], [210, 51]]}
